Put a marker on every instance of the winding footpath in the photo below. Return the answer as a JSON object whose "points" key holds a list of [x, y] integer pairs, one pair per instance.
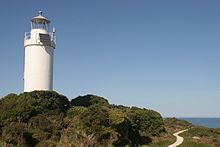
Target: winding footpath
{"points": [[179, 139]]}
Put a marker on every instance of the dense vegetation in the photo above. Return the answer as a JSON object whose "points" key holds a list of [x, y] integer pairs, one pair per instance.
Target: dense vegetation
{"points": [[196, 136], [174, 124], [46, 118], [208, 137]]}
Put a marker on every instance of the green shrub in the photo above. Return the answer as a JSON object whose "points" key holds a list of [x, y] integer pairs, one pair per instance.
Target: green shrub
{"points": [[95, 118], [89, 100], [17, 134], [176, 122], [116, 116], [40, 134], [204, 132], [26, 105], [46, 143], [147, 122], [41, 122], [45, 118], [76, 111]]}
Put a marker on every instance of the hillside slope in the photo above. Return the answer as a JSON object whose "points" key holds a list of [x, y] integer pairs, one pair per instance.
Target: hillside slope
{"points": [[46, 118], [196, 136]]}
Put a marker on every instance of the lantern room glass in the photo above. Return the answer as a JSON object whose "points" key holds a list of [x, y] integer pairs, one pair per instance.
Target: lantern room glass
{"points": [[40, 24]]}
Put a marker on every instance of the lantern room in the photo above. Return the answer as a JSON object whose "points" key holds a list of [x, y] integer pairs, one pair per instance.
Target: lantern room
{"points": [[40, 22]]}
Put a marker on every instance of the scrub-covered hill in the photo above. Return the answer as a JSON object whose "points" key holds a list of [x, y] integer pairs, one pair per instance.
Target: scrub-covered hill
{"points": [[46, 118], [196, 136]]}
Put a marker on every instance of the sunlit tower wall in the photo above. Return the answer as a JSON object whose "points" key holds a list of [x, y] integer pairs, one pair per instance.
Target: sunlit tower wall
{"points": [[39, 45]]}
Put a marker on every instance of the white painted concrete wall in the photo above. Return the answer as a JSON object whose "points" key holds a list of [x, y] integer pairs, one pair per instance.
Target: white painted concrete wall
{"points": [[38, 63]]}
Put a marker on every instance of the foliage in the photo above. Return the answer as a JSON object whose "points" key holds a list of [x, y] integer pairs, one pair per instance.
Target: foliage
{"points": [[194, 144], [206, 135], [162, 143], [76, 111], [89, 100], [17, 133], [135, 125], [148, 122], [95, 118], [203, 132], [176, 122], [26, 105], [1, 143], [46, 118], [32, 117], [74, 133], [116, 116]]}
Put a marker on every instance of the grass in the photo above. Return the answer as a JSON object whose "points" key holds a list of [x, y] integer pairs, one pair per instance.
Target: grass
{"points": [[161, 143], [1, 143], [191, 143], [208, 137]]}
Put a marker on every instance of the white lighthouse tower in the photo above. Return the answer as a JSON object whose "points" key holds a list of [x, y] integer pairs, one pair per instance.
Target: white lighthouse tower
{"points": [[39, 45]]}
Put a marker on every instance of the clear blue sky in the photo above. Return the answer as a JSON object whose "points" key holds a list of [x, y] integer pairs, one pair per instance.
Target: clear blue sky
{"points": [[162, 55]]}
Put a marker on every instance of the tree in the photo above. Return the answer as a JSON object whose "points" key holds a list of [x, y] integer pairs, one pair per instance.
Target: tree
{"points": [[89, 100]]}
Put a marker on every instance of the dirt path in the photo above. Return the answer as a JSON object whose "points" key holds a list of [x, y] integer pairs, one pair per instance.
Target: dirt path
{"points": [[179, 139]]}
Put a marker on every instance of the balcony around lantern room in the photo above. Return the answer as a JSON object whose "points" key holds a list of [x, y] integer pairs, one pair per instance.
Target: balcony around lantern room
{"points": [[33, 38]]}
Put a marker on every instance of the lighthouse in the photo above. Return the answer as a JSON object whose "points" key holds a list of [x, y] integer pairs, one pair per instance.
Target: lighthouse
{"points": [[39, 45]]}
